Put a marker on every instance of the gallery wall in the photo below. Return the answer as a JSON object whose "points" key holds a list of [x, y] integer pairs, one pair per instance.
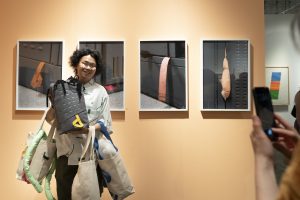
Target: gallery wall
{"points": [[280, 51], [187, 155]]}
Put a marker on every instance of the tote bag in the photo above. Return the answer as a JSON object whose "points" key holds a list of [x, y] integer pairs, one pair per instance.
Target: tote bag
{"points": [[114, 172], [85, 185], [39, 156], [43, 156]]}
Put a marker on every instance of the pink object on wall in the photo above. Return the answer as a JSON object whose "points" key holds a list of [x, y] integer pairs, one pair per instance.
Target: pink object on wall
{"points": [[162, 87]]}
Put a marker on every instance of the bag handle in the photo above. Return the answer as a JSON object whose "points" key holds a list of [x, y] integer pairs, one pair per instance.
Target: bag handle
{"points": [[43, 119], [90, 137], [51, 132], [107, 135]]}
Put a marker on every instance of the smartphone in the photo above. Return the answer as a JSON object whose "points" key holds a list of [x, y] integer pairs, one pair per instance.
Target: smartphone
{"points": [[264, 110]]}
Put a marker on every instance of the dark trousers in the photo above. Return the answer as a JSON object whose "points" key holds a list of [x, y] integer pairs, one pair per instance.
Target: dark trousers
{"points": [[65, 175]]}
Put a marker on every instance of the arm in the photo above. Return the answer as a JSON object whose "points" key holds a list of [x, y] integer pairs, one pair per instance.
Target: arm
{"points": [[105, 113], [265, 181]]}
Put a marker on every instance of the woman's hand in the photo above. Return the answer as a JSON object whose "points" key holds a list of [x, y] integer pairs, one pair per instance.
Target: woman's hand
{"points": [[261, 144], [265, 181], [287, 136]]}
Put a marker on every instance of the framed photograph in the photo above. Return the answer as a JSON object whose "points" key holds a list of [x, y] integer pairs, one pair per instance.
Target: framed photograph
{"points": [[112, 76], [39, 63], [225, 75], [163, 76], [277, 79]]}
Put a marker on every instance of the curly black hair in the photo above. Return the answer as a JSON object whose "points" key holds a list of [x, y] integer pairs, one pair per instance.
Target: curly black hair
{"points": [[79, 53]]}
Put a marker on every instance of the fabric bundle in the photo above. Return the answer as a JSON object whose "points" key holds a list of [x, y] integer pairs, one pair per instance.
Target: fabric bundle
{"points": [[225, 80]]}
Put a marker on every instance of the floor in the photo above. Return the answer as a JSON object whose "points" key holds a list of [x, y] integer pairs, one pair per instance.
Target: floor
{"points": [[149, 103], [29, 99]]}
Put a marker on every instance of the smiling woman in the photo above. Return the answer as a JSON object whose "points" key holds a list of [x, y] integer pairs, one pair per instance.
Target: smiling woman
{"points": [[86, 64], [86, 58], [86, 68]]}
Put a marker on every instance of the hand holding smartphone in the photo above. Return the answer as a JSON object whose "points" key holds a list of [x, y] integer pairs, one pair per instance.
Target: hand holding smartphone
{"points": [[264, 110]]}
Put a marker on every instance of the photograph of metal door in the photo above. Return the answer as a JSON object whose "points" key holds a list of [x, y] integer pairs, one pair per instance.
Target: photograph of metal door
{"points": [[163, 72], [39, 63]]}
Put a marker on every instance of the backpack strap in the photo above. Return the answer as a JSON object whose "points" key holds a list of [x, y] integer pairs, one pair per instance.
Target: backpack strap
{"points": [[49, 95], [75, 81]]}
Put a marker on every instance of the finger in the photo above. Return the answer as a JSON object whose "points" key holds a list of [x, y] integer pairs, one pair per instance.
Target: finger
{"points": [[281, 121], [283, 132], [256, 123], [278, 124], [257, 127]]}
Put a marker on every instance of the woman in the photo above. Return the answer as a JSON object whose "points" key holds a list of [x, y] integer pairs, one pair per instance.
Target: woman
{"points": [[86, 64], [266, 187], [265, 181], [297, 106]]}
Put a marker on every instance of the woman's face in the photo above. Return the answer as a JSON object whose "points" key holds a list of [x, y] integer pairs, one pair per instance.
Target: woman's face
{"points": [[86, 68]]}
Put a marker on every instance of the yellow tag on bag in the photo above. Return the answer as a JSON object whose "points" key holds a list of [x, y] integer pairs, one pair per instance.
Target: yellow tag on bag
{"points": [[77, 123]]}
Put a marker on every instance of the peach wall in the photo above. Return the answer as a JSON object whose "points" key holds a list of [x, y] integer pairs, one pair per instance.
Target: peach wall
{"points": [[175, 156]]}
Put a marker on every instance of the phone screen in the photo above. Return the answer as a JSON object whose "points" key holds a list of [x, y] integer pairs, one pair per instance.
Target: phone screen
{"points": [[264, 110]]}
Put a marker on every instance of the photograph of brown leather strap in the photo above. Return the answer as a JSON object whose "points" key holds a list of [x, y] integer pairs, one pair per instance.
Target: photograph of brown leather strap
{"points": [[37, 78], [163, 73], [162, 87]]}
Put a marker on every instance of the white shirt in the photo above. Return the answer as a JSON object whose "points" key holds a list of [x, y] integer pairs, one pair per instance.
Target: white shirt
{"points": [[97, 105]]}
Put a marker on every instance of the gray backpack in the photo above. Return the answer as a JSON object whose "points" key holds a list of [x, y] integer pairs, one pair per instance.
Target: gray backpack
{"points": [[68, 102]]}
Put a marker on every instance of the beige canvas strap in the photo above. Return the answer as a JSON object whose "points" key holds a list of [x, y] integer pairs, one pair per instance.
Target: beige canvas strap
{"points": [[37, 78], [162, 87], [89, 144]]}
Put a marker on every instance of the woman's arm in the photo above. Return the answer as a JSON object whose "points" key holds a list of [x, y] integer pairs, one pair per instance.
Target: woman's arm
{"points": [[105, 113], [265, 181]]}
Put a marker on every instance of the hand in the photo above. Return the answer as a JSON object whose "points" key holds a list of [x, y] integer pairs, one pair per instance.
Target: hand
{"points": [[265, 181], [103, 128], [287, 136], [261, 144]]}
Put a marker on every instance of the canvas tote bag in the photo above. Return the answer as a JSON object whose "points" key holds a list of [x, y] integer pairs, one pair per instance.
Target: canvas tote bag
{"points": [[39, 156], [114, 172], [43, 156], [85, 185]]}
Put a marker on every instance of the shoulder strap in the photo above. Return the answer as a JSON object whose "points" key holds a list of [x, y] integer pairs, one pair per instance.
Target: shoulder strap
{"points": [[43, 119], [51, 132], [49, 94]]}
